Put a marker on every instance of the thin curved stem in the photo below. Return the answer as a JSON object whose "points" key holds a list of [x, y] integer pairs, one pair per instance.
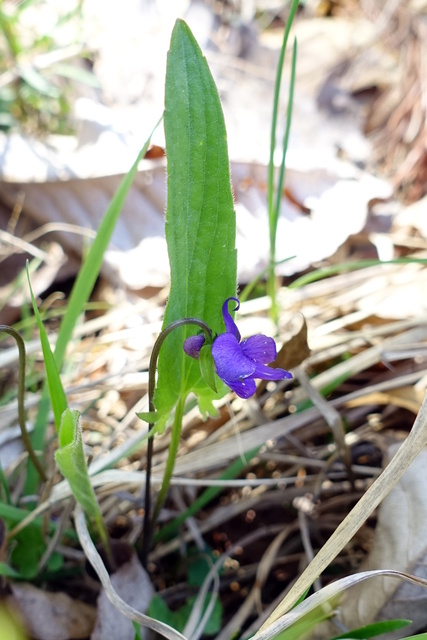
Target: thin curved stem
{"points": [[21, 398], [149, 524]]}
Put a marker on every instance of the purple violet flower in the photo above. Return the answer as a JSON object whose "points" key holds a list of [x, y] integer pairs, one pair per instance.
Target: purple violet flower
{"points": [[238, 363]]}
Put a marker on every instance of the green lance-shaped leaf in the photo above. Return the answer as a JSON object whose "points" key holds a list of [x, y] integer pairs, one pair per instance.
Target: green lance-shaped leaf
{"points": [[71, 461], [200, 217]]}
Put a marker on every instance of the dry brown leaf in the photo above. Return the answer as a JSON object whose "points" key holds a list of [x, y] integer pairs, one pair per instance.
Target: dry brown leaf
{"points": [[132, 583], [52, 616], [296, 350], [293, 352]]}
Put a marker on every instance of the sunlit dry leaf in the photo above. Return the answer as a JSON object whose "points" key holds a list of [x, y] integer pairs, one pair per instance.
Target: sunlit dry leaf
{"points": [[398, 293]]}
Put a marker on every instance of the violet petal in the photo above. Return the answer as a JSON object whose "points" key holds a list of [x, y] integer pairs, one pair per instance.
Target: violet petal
{"points": [[268, 373], [259, 348], [243, 388], [230, 362], [230, 325]]}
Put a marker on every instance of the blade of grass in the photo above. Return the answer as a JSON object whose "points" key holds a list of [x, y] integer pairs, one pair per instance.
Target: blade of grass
{"points": [[285, 140], [326, 272], [79, 295], [5, 487], [129, 612], [16, 515], [56, 390], [373, 629], [271, 208]]}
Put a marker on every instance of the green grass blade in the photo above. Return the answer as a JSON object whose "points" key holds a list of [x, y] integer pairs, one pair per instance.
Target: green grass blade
{"points": [[285, 144], [373, 630], [80, 294], [326, 272], [274, 119], [92, 266], [16, 515], [5, 487], [8, 572], [200, 217], [314, 617], [274, 207], [56, 390]]}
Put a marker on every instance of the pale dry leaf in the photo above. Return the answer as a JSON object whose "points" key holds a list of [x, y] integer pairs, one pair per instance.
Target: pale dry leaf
{"points": [[320, 188], [52, 616], [132, 583], [137, 255], [399, 294], [413, 218]]}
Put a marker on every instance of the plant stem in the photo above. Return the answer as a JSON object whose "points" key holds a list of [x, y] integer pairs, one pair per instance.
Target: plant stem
{"points": [[148, 526], [21, 399], [173, 451]]}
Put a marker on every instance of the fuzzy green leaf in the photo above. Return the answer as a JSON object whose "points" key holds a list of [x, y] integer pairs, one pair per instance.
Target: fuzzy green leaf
{"points": [[200, 217], [71, 461]]}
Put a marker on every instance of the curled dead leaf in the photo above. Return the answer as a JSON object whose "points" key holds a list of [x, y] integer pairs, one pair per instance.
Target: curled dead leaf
{"points": [[294, 351]]}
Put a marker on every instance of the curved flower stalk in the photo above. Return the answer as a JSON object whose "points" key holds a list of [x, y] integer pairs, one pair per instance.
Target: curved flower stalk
{"points": [[239, 362], [150, 417]]}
